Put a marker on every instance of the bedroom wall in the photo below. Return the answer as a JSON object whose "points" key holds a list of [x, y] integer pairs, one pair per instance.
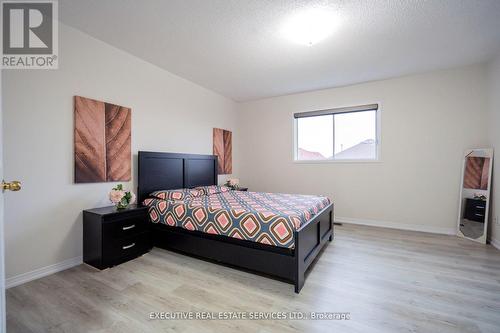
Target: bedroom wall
{"points": [[43, 222], [494, 133], [428, 121]]}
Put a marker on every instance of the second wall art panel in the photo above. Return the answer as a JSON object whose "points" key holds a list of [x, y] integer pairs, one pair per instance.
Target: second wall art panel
{"points": [[223, 148]]}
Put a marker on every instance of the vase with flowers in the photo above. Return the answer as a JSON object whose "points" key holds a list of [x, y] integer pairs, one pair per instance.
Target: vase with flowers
{"points": [[121, 198], [233, 183]]}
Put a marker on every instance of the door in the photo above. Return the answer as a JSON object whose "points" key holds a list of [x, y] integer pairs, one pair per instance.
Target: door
{"points": [[2, 261], [11, 186]]}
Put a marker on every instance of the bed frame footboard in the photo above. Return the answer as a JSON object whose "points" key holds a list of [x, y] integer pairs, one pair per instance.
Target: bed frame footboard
{"points": [[309, 240]]}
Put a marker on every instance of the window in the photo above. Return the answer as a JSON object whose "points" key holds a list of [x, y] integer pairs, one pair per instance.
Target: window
{"points": [[349, 133]]}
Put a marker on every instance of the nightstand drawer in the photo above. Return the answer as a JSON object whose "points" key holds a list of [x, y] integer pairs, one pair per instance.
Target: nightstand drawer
{"points": [[132, 225], [123, 249], [475, 205]]}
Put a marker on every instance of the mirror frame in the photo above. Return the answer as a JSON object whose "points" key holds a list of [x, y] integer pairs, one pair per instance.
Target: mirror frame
{"points": [[483, 238]]}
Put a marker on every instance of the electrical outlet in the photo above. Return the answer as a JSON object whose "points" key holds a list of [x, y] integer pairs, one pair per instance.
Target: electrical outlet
{"points": [[495, 219]]}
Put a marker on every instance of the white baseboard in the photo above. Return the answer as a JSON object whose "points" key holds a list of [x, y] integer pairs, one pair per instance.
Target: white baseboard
{"points": [[41, 272], [394, 225], [495, 243]]}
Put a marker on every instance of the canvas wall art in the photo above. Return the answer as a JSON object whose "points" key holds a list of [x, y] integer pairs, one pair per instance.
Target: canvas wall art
{"points": [[102, 141], [223, 148], [476, 172]]}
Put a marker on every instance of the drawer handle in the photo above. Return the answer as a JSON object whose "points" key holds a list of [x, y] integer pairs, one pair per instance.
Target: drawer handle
{"points": [[129, 227], [128, 246], [480, 207], [479, 214]]}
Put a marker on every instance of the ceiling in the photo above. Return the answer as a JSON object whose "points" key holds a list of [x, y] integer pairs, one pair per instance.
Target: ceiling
{"points": [[235, 48]]}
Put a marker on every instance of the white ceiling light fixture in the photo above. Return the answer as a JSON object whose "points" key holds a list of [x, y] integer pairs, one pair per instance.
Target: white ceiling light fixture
{"points": [[310, 26]]}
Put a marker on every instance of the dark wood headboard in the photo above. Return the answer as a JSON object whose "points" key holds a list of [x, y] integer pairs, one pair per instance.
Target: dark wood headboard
{"points": [[168, 171]]}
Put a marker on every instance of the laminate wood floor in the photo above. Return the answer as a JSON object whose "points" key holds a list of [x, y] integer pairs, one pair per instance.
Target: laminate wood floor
{"points": [[388, 280]]}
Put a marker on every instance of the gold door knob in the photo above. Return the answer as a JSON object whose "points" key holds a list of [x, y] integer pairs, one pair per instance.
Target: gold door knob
{"points": [[14, 185]]}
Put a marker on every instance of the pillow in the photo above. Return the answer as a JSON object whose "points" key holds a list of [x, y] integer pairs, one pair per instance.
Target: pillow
{"points": [[212, 189], [179, 194]]}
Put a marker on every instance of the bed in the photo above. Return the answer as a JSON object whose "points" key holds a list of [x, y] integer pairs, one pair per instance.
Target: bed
{"points": [[273, 234]]}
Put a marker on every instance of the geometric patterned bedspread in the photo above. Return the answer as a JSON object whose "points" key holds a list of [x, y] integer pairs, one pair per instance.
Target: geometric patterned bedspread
{"points": [[268, 218]]}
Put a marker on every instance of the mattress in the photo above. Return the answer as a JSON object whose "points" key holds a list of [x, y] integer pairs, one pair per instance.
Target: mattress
{"points": [[267, 218]]}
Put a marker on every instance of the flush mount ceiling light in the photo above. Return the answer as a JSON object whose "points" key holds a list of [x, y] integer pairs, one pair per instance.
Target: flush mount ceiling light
{"points": [[309, 26]]}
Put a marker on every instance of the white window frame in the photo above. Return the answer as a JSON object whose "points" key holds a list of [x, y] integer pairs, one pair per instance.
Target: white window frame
{"points": [[378, 138]]}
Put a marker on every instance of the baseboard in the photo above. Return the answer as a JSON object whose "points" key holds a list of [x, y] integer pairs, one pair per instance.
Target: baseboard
{"points": [[41, 272], [495, 243], [394, 225]]}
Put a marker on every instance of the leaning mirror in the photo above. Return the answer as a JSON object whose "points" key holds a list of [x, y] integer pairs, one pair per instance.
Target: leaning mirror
{"points": [[475, 194]]}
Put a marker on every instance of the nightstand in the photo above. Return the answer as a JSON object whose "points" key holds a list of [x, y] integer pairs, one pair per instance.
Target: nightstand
{"points": [[111, 236], [475, 210]]}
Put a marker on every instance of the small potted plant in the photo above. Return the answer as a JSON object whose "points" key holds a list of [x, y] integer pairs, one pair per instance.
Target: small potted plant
{"points": [[479, 196], [233, 183], [121, 198]]}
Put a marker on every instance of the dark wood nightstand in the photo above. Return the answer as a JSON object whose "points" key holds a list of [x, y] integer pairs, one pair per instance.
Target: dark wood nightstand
{"points": [[244, 189], [475, 210], [111, 236]]}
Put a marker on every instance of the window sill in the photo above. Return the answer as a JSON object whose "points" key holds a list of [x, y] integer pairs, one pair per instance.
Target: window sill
{"points": [[335, 161]]}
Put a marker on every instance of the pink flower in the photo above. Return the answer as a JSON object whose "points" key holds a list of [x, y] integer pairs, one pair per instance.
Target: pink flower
{"points": [[116, 196]]}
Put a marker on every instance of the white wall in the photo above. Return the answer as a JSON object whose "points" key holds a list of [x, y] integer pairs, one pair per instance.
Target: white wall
{"points": [[44, 220], [428, 121], [494, 132]]}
